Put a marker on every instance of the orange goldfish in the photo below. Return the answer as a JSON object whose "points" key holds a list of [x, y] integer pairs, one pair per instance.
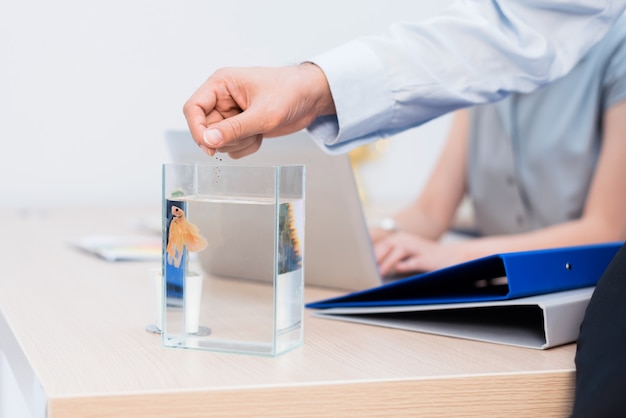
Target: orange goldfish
{"points": [[182, 233]]}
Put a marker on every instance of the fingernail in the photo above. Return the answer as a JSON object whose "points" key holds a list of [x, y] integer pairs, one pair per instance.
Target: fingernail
{"points": [[208, 151], [212, 137]]}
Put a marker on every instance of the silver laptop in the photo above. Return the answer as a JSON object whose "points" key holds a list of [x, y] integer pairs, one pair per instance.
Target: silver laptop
{"points": [[338, 250]]}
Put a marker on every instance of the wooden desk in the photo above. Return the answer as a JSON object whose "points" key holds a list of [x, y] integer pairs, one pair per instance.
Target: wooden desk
{"points": [[72, 330]]}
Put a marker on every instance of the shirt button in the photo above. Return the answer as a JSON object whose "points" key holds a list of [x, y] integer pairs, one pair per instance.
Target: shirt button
{"points": [[520, 220]]}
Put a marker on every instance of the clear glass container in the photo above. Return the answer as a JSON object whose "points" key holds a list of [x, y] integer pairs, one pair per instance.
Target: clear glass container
{"points": [[233, 257]]}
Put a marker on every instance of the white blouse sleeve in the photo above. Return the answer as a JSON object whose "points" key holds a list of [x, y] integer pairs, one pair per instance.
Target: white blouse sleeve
{"points": [[476, 51]]}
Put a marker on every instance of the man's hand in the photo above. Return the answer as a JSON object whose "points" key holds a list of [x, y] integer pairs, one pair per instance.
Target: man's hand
{"points": [[237, 107]]}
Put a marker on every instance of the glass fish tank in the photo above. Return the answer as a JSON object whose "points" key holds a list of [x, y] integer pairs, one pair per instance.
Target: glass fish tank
{"points": [[233, 257]]}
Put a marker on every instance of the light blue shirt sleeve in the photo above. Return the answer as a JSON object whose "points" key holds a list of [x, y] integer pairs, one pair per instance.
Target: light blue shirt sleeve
{"points": [[477, 51]]}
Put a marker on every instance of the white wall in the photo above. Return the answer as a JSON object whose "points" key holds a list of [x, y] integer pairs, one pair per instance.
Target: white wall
{"points": [[87, 88]]}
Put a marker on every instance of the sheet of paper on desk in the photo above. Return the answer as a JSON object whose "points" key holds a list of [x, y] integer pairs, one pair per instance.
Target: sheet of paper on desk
{"points": [[121, 248]]}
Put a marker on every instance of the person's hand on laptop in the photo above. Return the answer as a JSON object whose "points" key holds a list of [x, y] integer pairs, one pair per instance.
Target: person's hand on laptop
{"points": [[237, 107], [401, 253]]}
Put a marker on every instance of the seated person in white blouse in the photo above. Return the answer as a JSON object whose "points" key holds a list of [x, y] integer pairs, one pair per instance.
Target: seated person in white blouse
{"points": [[545, 169]]}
